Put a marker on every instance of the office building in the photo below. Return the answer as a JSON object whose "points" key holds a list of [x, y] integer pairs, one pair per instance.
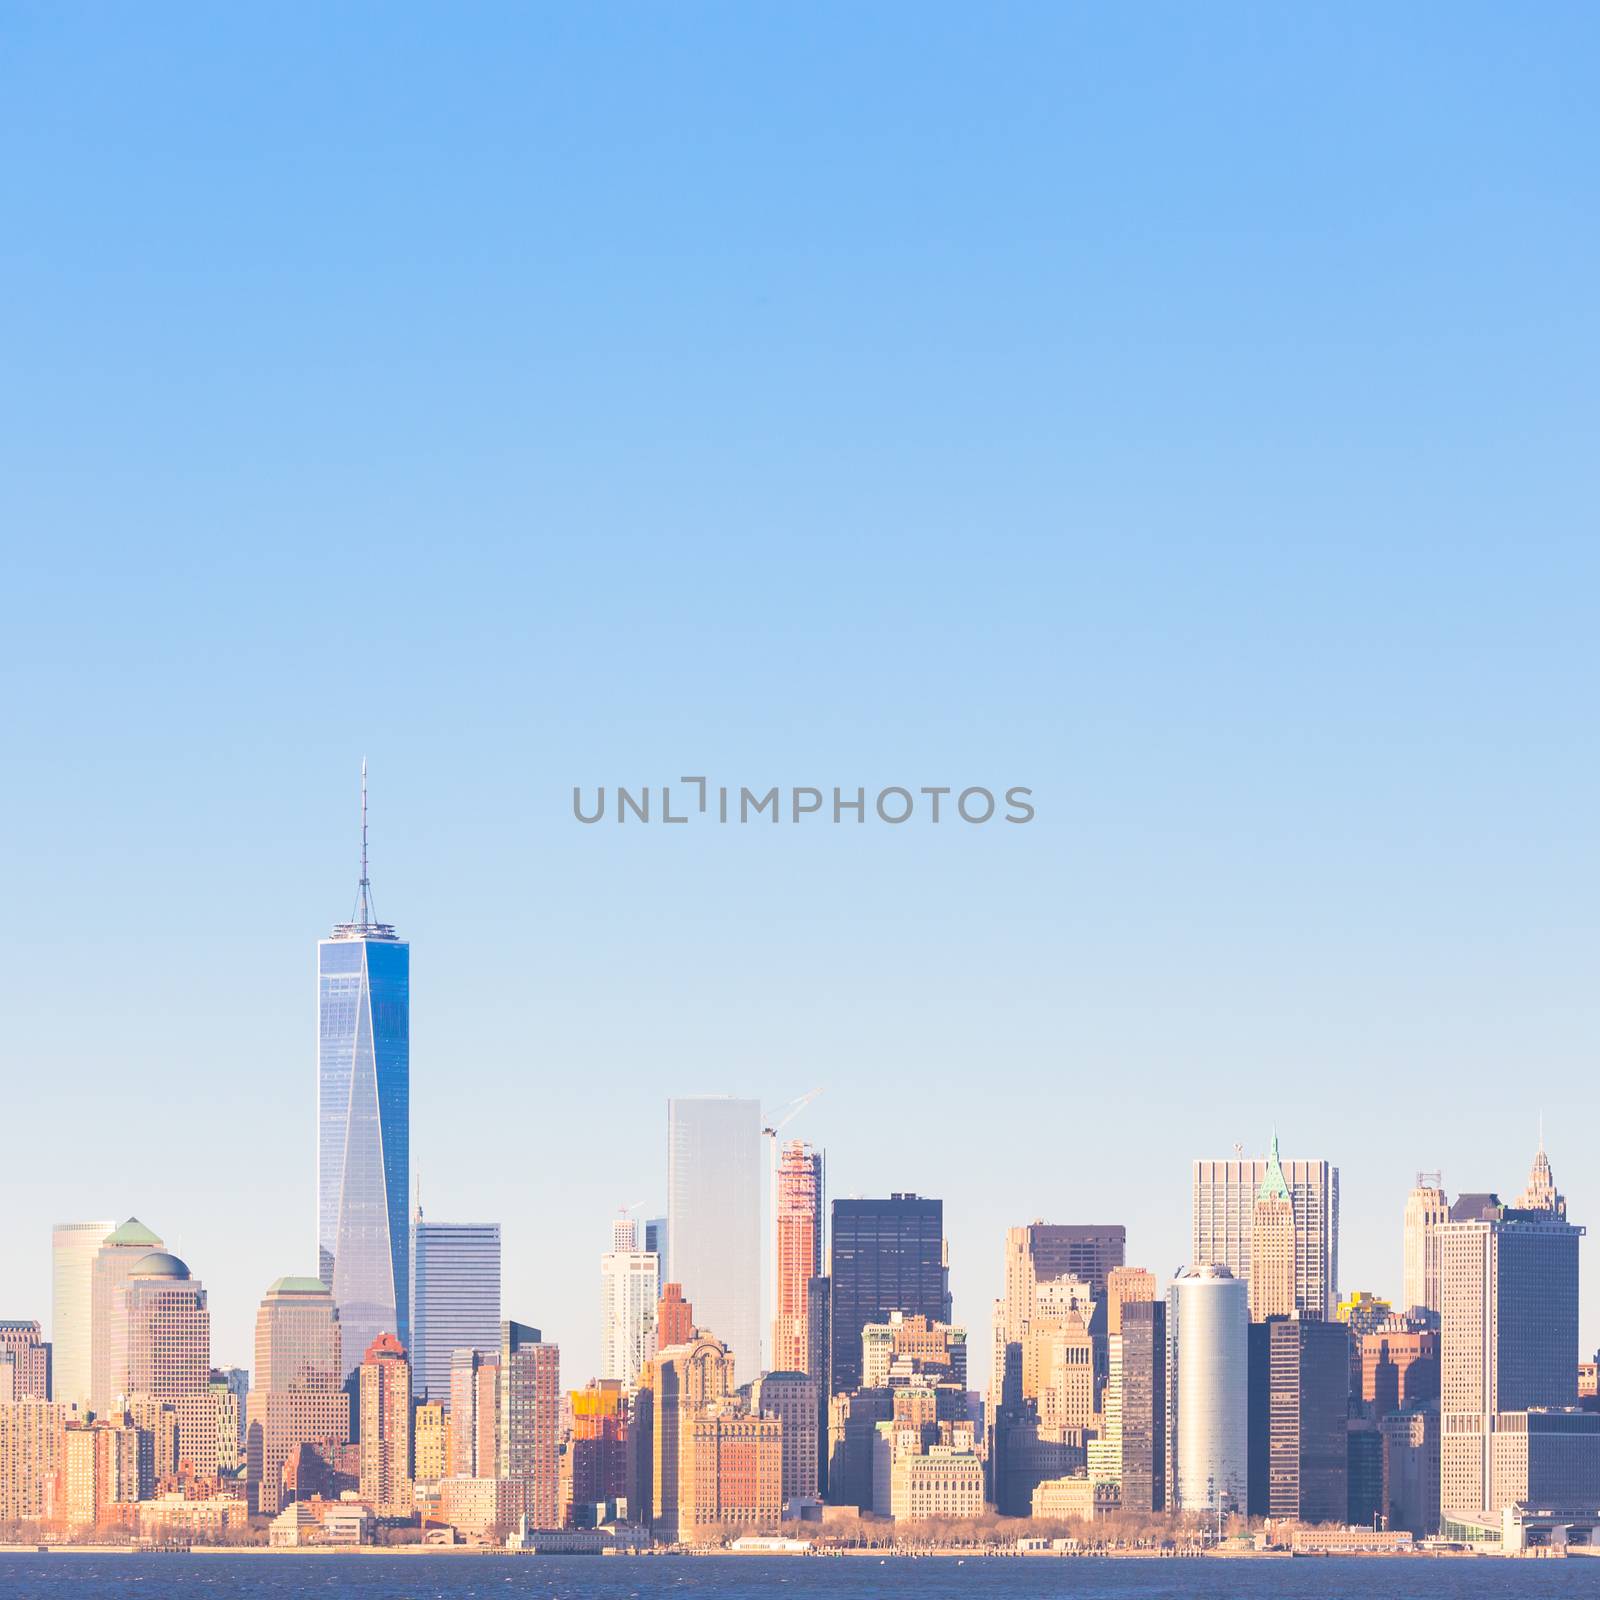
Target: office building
{"points": [[792, 1398], [1426, 1209], [1299, 1376], [364, 1121], [73, 1249], [26, 1358], [530, 1420], [1273, 1251], [385, 1400], [1411, 1470], [628, 1290], [474, 1413], [298, 1395], [169, 1354], [455, 1297], [887, 1255], [1143, 1405], [116, 1258], [1208, 1390], [797, 1258], [731, 1474], [1224, 1203], [1508, 1336], [714, 1218], [680, 1382]]}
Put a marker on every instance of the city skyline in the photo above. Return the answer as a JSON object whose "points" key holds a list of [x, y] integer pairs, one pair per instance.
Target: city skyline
{"points": [[1224, 1194]]}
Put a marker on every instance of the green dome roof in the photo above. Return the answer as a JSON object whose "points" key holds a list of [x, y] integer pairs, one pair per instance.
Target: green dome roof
{"points": [[159, 1264], [298, 1286], [133, 1231]]}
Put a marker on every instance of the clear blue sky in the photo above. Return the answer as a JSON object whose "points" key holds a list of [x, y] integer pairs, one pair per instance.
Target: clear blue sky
{"points": [[1188, 413]]}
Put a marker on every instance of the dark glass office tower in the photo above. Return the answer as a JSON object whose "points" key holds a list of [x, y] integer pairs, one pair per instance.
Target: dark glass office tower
{"points": [[888, 1255], [364, 1122], [1144, 1406]]}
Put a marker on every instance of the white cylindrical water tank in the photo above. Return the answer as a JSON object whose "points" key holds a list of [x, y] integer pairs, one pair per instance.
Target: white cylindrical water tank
{"points": [[1208, 1386]]}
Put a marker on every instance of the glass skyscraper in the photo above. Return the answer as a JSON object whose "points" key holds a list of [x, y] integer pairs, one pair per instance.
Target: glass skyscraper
{"points": [[714, 1219], [455, 1298], [364, 1122]]}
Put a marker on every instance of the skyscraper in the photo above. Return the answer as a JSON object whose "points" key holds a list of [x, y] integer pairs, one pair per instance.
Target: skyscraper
{"points": [[1208, 1390], [886, 1255], [455, 1297], [1272, 1245], [299, 1396], [1143, 1342], [364, 1120], [628, 1280], [796, 1250], [1224, 1213], [714, 1218], [385, 1453], [674, 1317], [114, 1262], [73, 1247], [1508, 1338], [1426, 1209], [474, 1413], [530, 1420], [169, 1353], [1299, 1405]]}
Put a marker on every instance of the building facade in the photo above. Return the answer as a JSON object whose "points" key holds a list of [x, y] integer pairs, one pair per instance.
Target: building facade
{"points": [[629, 1281], [73, 1249], [1224, 1202], [791, 1397], [115, 1260], [298, 1396], [364, 1121], [455, 1298], [1299, 1406], [530, 1420], [1208, 1390], [169, 1354], [474, 1413], [714, 1218], [887, 1255], [797, 1201], [1273, 1241], [385, 1450], [1426, 1209], [25, 1358], [1143, 1405], [1508, 1337]]}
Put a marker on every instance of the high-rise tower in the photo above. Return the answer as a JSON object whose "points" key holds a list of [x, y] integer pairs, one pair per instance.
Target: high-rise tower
{"points": [[1225, 1194], [796, 1251], [1272, 1245], [364, 1120], [714, 1218], [1426, 1210]]}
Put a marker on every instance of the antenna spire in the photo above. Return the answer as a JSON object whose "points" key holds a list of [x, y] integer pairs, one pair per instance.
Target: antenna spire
{"points": [[364, 924], [365, 915]]}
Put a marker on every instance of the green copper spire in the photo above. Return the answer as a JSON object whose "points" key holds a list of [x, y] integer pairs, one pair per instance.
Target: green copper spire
{"points": [[1274, 1186]]}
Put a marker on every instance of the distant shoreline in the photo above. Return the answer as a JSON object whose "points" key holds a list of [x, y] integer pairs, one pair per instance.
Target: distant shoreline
{"points": [[854, 1552]]}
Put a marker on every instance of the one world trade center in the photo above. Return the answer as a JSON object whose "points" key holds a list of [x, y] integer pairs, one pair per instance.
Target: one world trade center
{"points": [[364, 1121]]}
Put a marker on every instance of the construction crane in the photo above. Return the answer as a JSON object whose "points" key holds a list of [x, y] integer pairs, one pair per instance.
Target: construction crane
{"points": [[784, 1115]]}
